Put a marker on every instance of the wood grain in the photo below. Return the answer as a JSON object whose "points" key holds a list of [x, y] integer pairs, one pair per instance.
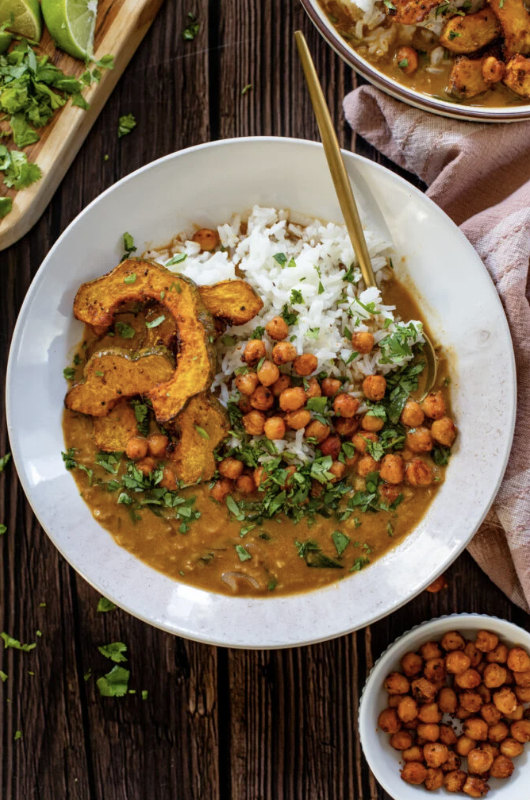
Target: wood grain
{"points": [[121, 25], [217, 724]]}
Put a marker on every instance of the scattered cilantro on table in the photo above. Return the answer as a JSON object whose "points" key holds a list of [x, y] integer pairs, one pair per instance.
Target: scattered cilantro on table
{"points": [[114, 683], [192, 29], [126, 124], [15, 644]]}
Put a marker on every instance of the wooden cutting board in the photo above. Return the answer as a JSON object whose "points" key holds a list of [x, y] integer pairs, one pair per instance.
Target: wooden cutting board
{"points": [[120, 27]]}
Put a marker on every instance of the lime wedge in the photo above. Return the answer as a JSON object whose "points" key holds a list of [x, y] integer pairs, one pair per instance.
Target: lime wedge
{"points": [[27, 20], [71, 23]]}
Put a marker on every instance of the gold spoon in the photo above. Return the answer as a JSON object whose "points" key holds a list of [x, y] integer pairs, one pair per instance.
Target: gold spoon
{"points": [[344, 190]]}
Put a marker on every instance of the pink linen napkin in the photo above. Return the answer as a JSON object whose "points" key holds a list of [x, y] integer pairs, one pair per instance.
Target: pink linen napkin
{"points": [[480, 175]]}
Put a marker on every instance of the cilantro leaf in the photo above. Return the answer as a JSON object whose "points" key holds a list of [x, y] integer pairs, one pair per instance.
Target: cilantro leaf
{"points": [[6, 206], [15, 644], [242, 552], [114, 683], [126, 124], [4, 461], [125, 331], [341, 541], [114, 651], [105, 605]]}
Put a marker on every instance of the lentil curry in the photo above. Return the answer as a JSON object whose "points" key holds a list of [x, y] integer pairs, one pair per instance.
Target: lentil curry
{"points": [[253, 523]]}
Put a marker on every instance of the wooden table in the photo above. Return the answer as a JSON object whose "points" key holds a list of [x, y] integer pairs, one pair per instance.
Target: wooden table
{"points": [[277, 725]]}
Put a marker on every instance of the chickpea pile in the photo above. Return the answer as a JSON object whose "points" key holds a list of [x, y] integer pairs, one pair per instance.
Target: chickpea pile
{"points": [[484, 684], [272, 405]]}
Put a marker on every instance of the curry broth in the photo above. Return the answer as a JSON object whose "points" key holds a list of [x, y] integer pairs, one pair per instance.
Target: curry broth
{"points": [[204, 555]]}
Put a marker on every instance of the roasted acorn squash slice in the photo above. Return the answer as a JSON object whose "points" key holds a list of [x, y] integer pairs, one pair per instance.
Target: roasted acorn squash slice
{"points": [[111, 433], [140, 280], [234, 301], [202, 426]]}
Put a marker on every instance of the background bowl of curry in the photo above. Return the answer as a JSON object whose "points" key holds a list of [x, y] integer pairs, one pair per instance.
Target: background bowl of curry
{"points": [[322, 14], [205, 185]]}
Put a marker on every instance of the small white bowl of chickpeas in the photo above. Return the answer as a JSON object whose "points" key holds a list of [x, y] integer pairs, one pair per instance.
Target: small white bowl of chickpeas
{"points": [[446, 709]]}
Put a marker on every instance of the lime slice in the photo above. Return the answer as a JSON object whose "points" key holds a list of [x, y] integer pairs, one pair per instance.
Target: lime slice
{"points": [[27, 20], [71, 23]]}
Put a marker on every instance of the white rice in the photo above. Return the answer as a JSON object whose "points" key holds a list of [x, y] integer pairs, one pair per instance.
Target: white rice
{"points": [[315, 257]]}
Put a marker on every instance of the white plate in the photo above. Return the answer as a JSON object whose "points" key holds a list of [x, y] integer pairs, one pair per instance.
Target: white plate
{"points": [[384, 761], [206, 184]]}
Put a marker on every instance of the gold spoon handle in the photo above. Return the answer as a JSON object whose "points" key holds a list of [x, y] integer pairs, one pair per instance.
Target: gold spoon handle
{"points": [[335, 161]]}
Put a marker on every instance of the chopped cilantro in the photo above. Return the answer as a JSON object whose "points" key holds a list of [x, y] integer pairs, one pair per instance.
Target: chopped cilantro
{"points": [[109, 461], [317, 404], [341, 541], [131, 278], [128, 246], [441, 455], [234, 508], [312, 333], [156, 322], [176, 259], [69, 373], [320, 288], [3, 676], [18, 735], [125, 330], [105, 605], [242, 552], [114, 683], [258, 332], [126, 124], [271, 586], [19, 173], [391, 7], [296, 297], [88, 674], [454, 35], [359, 564], [229, 341], [141, 412], [114, 651], [202, 432], [99, 374], [3, 461], [145, 694], [246, 88], [6, 206], [192, 28], [289, 317], [3, 529], [281, 259], [403, 64], [15, 644]]}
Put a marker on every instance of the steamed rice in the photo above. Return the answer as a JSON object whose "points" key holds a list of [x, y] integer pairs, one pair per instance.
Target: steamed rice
{"points": [[306, 267]]}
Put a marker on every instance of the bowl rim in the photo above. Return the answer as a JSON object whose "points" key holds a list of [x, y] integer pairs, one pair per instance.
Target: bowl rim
{"points": [[410, 96], [364, 718], [16, 447]]}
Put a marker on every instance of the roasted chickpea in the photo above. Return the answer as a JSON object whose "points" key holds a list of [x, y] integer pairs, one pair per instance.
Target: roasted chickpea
{"points": [[262, 398], [448, 737], [457, 662], [414, 773], [490, 714], [518, 660], [231, 468], [221, 489], [462, 714], [434, 405], [471, 701], [313, 389], [245, 484], [244, 404], [418, 473], [136, 448], [511, 748], [283, 382], [388, 492], [479, 761], [476, 729], [447, 700], [254, 351], [330, 386], [247, 383], [260, 476], [469, 679], [499, 654], [434, 779], [438, 585], [517, 714], [389, 721], [444, 431], [454, 781], [430, 650], [498, 733], [207, 239], [345, 405], [283, 353], [493, 749], [274, 428], [331, 446], [306, 364], [494, 676], [428, 731], [292, 399], [407, 60], [277, 328], [493, 70], [475, 786], [168, 481], [254, 422], [345, 426], [419, 440], [337, 469], [412, 416], [486, 641], [146, 465], [298, 419], [502, 767], [411, 664], [365, 465], [434, 669], [414, 753], [452, 640], [371, 423], [392, 468], [520, 730], [522, 694], [318, 431], [484, 692], [505, 700], [474, 654], [464, 745], [268, 373], [407, 709], [396, 683], [522, 679], [430, 713], [362, 341], [401, 740], [435, 754], [359, 441], [374, 387]]}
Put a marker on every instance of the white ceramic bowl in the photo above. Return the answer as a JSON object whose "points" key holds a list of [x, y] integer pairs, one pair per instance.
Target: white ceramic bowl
{"points": [[516, 113], [384, 761], [206, 184]]}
